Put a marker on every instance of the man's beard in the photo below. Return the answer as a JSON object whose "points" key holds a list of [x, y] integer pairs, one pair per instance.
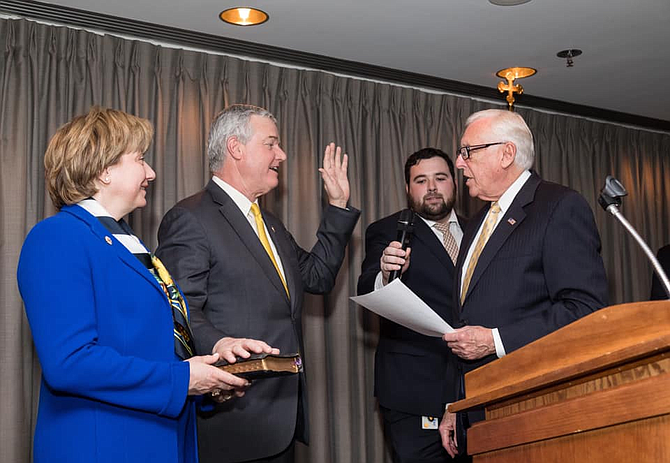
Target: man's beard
{"points": [[435, 211]]}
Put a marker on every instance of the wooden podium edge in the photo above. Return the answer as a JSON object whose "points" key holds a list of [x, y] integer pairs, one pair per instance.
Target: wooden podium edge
{"points": [[580, 370], [601, 340]]}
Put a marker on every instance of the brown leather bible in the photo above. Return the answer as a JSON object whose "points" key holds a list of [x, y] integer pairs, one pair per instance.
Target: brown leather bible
{"points": [[263, 366]]}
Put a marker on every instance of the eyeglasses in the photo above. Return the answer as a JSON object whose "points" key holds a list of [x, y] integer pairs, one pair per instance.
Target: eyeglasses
{"points": [[466, 150]]}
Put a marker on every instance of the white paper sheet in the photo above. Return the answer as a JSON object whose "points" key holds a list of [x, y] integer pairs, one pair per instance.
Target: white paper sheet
{"points": [[399, 304]]}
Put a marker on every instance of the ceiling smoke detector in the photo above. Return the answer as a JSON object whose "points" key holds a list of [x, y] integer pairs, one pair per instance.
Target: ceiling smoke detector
{"points": [[568, 55]]}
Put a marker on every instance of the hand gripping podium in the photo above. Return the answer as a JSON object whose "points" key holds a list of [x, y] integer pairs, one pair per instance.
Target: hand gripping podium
{"points": [[597, 390]]}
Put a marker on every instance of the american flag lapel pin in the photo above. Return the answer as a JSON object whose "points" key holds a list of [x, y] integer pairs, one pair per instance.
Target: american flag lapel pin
{"points": [[511, 221]]}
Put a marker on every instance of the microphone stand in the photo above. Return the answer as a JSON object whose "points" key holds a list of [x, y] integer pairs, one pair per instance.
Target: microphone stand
{"points": [[610, 200]]}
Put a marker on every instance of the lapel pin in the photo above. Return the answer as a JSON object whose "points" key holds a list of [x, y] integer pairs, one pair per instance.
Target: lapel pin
{"points": [[511, 221], [109, 240], [272, 228]]}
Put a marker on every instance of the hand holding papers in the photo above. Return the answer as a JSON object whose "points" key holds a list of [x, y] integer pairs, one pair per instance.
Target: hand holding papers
{"points": [[398, 303]]}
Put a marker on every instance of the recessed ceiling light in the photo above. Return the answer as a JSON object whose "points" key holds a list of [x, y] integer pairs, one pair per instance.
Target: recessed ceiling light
{"points": [[243, 16], [508, 2]]}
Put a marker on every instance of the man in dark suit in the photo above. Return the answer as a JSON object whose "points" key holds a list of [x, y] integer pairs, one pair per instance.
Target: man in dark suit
{"points": [[530, 259], [244, 276], [415, 375], [657, 290]]}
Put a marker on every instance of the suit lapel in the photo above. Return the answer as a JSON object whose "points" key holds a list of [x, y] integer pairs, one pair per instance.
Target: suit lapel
{"points": [[423, 233], [115, 246], [246, 234], [508, 223]]}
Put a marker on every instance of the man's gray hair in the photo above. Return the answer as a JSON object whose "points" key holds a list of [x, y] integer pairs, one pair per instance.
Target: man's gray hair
{"points": [[509, 126], [231, 122]]}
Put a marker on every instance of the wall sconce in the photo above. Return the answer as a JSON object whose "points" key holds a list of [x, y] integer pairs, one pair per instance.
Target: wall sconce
{"points": [[511, 74]]}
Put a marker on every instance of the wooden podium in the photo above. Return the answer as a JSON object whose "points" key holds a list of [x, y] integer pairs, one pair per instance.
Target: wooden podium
{"points": [[597, 390]]}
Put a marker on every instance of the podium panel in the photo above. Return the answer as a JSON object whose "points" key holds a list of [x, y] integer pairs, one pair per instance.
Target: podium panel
{"points": [[629, 442], [597, 390]]}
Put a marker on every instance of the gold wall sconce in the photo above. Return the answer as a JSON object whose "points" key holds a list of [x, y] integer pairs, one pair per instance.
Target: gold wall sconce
{"points": [[511, 74]]}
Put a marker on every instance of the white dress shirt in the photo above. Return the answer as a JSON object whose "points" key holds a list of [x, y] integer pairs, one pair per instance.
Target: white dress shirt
{"points": [[244, 205]]}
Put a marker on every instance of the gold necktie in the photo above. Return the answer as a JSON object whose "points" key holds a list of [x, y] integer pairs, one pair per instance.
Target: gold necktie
{"points": [[448, 240], [491, 219], [260, 226]]}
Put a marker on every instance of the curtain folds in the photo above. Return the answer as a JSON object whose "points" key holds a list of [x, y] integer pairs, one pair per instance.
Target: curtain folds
{"points": [[49, 74]]}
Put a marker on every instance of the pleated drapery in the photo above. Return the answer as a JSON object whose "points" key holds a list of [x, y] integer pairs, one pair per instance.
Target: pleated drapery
{"points": [[49, 74]]}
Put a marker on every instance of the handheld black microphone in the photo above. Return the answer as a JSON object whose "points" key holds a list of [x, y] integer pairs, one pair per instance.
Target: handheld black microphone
{"points": [[405, 230], [610, 200]]}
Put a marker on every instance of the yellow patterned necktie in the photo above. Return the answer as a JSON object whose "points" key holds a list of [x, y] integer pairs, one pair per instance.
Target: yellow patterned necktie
{"points": [[260, 226], [489, 223]]}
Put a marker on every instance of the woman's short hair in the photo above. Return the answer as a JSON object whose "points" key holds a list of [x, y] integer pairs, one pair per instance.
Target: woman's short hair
{"points": [[84, 147]]}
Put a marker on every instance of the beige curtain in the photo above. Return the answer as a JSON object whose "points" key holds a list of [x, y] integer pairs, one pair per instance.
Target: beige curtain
{"points": [[50, 74]]}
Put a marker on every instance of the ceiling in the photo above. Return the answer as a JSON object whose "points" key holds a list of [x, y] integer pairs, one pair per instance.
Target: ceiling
{"points": [[625, 65]]}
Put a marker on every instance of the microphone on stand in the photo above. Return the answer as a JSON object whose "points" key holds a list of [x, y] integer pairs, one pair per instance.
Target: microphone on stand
{"points": [[405, 230], [610, 200]]}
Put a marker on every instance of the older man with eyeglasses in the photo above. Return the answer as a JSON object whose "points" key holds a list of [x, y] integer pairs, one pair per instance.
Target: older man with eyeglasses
{"points": [[529, 262]]}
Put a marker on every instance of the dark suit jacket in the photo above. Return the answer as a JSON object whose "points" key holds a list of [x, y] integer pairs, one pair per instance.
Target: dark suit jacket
{"points": [[540, 270], [657, 290], [234, 290], [413, 373]]}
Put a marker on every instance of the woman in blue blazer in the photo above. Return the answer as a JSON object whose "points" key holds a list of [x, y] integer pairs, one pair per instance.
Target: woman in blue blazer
{"points": [[110, 327]]}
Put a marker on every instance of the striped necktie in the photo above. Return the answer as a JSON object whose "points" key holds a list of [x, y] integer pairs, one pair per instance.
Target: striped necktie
{"points": [[260, 226], [183, 337], [448, 240], [489, 224]]}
